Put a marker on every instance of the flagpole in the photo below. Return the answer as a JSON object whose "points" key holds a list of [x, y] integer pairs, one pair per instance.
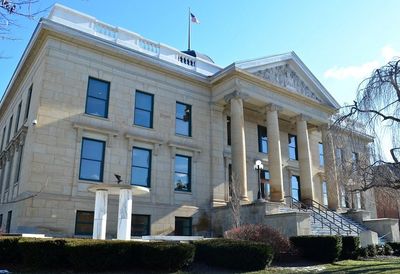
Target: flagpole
{"points": [[189, 30]]}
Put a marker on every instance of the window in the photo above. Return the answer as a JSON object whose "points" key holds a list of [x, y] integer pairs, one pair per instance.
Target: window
{"points": [[183, 226], [18, 116], [141, 167], [293, 147], [358, 200], [92, 160], [84, 222], [295, 187], [28, 103], [324, 194], [9, 170], [354, 159], [265, 187], [1, 221], [230, 180], [183, 119], [3, 138], [183, 173], [9, 129], [8, 224], [343, 200], [18, 171], [262, 139], [339, 155], [97, 97], [321, 154], [228, 130], [143, 109], [140, 225]]}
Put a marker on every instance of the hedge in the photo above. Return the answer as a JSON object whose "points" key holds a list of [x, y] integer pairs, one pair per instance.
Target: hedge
{"points": [[319, 248], [396, 248], [94, 255], [350, 247], [234, 254]]}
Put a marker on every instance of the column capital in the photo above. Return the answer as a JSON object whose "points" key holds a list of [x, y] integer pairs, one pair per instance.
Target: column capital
{"points": [[273, 107], [302, 117], [236, 94]]}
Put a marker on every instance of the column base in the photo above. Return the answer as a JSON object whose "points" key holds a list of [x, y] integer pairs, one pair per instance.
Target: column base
{"points": [[244, 198], [277, 197]]}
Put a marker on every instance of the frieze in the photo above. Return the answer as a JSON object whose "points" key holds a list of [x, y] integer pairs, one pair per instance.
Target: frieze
{"points": [[284, 76]]}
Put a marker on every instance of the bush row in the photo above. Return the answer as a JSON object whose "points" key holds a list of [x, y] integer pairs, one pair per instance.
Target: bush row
{"points": [[319, 248], [97, 255]]}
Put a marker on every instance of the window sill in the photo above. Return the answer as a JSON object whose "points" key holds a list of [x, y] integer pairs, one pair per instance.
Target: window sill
{"points": [[89, 181], [97, 117], [143, 127], [189, 193], [183, 136]]}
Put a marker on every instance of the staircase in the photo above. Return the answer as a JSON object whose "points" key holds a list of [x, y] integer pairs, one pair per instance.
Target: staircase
{"points": [[325, 221]]}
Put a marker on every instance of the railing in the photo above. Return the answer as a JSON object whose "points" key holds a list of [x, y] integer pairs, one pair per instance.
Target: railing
{"points": [[322, 215], [91, 25]]}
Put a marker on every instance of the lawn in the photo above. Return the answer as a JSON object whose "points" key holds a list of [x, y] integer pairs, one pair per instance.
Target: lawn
{"points": [[384, 265]]}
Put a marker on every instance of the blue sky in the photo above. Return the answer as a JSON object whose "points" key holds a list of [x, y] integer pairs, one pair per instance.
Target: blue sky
{"points": [[340, 41]]}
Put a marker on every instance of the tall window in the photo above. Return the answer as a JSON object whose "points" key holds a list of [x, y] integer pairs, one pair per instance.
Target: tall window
{"points": [[92, 160], [343, 200], [1, 221], [228, 130], [140, 225], [141, 167], [355, 160], [339, 155], [324, 193], [143, 109], [183, 119], [358, 200], [262, 139], [9, 129], [18, 116], [8, 224], [84, 222], [28, 103], [183, 226], [183, 173], [321, 154], [230, 180], [9, 171], [266, 187], [3, 138], [293, 147], [18, 170], [97, 97], [295, 187]]}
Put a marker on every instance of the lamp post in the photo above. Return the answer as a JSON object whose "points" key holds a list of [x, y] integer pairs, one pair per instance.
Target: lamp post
{"points": [[259, 166]]}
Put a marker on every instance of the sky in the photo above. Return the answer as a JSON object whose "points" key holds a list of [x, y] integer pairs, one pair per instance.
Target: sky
{"points": [[340, 41]]}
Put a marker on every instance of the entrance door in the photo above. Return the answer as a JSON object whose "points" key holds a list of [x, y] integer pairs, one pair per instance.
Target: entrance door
{"points": [[295, 187]]}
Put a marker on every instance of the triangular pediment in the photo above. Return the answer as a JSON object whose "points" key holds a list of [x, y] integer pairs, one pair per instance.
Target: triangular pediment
{"points": [[289, 72]]}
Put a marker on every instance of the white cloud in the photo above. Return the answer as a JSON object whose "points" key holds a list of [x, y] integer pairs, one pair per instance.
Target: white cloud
{"points": [[364, 70]]}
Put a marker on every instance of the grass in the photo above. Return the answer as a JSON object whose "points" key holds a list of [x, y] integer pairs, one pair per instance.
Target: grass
{"points": [[384, 265]]}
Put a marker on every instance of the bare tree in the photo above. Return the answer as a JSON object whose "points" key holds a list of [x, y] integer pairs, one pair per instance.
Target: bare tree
{"points": [[234, 202], [11, 11], [373, 116]]}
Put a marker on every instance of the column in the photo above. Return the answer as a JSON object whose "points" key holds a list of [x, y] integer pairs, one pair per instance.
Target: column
{"points": [[274, 154], [100, 214], [330, 168], [303, 147], [238, 142], [124, 214]]}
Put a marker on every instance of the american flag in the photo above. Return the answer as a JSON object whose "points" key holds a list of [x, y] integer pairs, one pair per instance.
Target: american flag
{"points": [[194, 19]]}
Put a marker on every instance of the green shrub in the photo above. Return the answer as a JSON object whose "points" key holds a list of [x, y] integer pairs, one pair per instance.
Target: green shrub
{"points": [[363, 252], [388, 250], [350, 247], [319, 248], [372, 251], [396, 248], [9, 250], [233, 254]]}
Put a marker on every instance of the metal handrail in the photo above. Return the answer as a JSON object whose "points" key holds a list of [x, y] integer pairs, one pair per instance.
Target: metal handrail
{"points": [[326, 210], [302, 206]]}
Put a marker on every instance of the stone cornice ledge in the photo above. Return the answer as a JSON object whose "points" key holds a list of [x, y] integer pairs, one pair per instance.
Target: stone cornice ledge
{"points": [[99, 129], [196, 151]]}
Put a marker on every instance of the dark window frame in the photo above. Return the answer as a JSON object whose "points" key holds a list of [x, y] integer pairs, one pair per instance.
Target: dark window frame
{"points": [[262, 138], [9, 129], [190, 219], [293, 147], [76, 232], [147, 226], [102, 161], [189, 121], [18, 117], [189, 174], [3, 138], [142, 109], [18, 170], [28, 103], [8, 223], [106, 100], [148, 168], [1, 221], [228, 130], [321, 154]]}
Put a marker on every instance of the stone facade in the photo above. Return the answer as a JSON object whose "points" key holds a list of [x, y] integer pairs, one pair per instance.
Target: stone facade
{"points": [[45, 193]]}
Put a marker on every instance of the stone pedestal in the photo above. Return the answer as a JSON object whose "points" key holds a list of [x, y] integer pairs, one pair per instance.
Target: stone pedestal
{"points": [[100, 214], [124, 214], [368, 238]]}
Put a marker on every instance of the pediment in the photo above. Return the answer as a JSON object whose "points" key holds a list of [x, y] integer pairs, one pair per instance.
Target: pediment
{"points": [[286, 77]]}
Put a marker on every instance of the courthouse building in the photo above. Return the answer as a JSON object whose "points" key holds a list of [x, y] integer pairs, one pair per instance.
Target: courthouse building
{"points": [[89, 100]]}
